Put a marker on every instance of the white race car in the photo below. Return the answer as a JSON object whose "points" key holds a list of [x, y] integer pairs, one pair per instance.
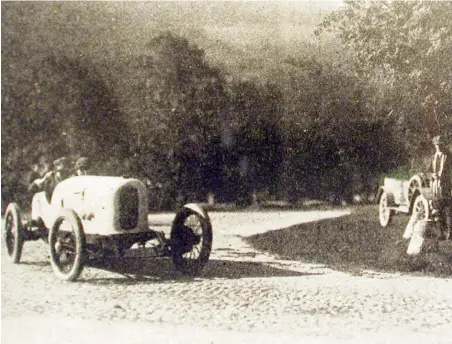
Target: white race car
{"points": [[95, 217]]}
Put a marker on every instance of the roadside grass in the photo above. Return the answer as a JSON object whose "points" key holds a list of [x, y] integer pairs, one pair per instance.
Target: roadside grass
{"points": [[355, 243]]}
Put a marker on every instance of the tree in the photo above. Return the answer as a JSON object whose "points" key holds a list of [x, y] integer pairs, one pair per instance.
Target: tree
{"points": [[327, 132], [403, 48], [60, 106], [175, 102], [257, 140]]}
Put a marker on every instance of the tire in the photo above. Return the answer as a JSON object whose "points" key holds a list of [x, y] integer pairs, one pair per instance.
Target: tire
{"points": [[67, 246], [191, 240], [385, 214], [421, 208], [12, 232]]}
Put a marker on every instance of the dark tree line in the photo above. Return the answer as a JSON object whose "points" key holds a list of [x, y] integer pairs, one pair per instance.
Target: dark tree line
{"points": [[188, 129]]}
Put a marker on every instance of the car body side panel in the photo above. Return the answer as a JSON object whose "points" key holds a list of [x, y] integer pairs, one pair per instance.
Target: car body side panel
{"points": [[95, 199], [397, 190], [41, 209]]}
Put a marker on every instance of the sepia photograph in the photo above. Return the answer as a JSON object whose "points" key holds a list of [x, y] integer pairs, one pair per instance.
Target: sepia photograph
{"points": [[218, 172]]}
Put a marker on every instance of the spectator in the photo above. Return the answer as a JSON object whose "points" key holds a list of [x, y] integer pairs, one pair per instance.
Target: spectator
{"points": [[442, 186]]}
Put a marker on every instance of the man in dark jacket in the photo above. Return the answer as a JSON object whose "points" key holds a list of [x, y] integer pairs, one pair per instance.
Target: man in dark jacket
{"points": [[442, 186]]}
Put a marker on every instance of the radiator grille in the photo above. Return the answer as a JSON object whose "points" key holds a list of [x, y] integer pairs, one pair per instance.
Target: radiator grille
{"points": [[128, 207]]}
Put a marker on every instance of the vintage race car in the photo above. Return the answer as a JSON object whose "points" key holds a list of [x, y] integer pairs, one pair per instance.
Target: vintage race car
{"points": [[98, 217], [403, 196]]}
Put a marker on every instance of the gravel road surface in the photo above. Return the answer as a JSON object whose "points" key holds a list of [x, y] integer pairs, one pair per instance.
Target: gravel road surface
{"points": [[243, 296]]}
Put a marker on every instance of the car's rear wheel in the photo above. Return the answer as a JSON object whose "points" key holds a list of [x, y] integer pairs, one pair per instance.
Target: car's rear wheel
{"points": [[67, 246], [191, 240], [12, 232], [385, 213]]}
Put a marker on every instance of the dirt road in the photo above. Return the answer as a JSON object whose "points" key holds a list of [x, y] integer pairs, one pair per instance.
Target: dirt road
{"points": [[243, 296]]}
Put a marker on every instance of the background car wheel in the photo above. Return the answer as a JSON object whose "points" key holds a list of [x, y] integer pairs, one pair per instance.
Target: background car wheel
{"points": [[191, 241], [421, 208], [12, 232], [385, 214], [67, 246]]}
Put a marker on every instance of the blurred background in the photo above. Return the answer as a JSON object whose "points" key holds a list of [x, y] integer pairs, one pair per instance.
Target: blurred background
{"points": [[226, 102]]}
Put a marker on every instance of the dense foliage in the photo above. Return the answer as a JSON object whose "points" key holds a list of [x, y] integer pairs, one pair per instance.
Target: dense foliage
{"points": [[313, 124], [402, 50]]}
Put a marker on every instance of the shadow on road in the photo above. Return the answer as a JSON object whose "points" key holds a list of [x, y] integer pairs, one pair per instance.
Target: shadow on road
{"points": [[135, 270], [243, 269], [43, 263], [354, 243]]}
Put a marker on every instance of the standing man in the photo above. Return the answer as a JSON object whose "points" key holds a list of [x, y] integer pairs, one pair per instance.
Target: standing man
{"points": [[442, 186]]}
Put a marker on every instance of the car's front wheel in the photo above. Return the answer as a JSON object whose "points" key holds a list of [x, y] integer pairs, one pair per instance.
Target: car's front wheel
{"points": [[421, 208], [191, 240], [67, 246]]}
